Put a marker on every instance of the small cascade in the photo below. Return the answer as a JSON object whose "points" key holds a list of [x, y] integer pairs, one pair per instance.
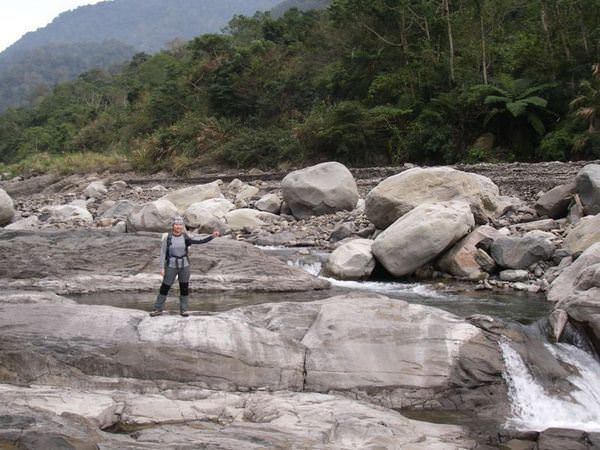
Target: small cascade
{"points": [[314, 268], [534, 409], [388, 288]]}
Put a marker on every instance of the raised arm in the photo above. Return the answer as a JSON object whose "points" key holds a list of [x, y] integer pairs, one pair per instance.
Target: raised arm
{"points": [[190, 241], [200, 241]]}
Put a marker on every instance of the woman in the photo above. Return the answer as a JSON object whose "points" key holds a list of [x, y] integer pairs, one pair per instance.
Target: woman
{"points": [[174, 262]]}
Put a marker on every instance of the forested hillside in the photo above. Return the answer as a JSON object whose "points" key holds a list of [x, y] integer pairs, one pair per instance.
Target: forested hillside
{"points": [[104, 34], [302, 5], [364, 82]]}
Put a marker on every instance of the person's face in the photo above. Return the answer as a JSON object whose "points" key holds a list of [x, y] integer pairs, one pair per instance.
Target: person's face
{"points": [[177, 228]]}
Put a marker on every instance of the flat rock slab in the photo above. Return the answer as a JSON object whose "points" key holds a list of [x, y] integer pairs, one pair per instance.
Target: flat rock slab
{"points": [[383, 350], [85, 260], [196, 418]]}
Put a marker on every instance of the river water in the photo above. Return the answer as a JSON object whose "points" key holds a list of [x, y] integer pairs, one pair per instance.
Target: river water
{"points": [[533, 407]]}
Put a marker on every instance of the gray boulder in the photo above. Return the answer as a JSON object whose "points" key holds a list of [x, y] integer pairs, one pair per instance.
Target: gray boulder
{"points": [[588, 188], [270, 203], [205, 214], [555, 203], [28, 223], [321, 189], [218, 207], [462, 259], [153, 216], [577, 291], [583, 235], [568, 282], [68, 213], [7, 208], [514, 275], [342, 231], [420, 236], [245, 194], [351, 261], [397, 353], [514, 252], [96, 189], [183, 198], [120, 210], [397, 195]]}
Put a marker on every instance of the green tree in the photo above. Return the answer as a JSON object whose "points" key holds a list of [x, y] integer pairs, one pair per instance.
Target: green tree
{"points": [[517, 114]]}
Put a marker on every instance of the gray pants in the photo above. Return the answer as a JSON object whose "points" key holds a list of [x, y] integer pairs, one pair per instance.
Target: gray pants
{"points": [[183, 275]]}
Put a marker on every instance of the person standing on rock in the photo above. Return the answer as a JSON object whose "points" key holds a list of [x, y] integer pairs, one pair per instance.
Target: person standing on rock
{"points": [[174, 262]]}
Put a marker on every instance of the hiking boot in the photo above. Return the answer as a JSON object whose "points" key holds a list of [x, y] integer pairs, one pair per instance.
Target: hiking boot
{"points": [[155, 313], [184, 313]]}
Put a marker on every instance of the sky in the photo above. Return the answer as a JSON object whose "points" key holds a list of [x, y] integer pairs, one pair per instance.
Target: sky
{"points": [[17, 17]]}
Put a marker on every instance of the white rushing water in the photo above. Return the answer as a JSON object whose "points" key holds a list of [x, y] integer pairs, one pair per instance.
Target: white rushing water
{"points": [[390, 288], [534, 409]]}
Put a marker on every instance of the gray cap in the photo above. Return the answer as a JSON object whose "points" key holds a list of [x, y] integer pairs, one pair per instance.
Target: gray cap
{"points": [[177, 220]]}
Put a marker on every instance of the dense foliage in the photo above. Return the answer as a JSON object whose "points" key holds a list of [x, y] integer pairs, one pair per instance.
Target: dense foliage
{"points": [[364, 82]]}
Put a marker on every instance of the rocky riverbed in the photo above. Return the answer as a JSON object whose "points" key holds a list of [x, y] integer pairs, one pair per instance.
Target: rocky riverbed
{"points": [[336, 372]]}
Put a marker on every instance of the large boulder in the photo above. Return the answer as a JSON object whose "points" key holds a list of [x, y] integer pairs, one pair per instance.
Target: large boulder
{"points": [[588, 188], [464, 258], [398, 353], [421, 235], [351, 261], [555, 203], [153, 216], [397, 195], [583, 235], [321, 189], [248, 219], [183, 198], [520, 252], [7, 208]]}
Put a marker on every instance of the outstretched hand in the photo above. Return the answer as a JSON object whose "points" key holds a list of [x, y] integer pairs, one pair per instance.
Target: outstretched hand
{"points": [[216, 233]]}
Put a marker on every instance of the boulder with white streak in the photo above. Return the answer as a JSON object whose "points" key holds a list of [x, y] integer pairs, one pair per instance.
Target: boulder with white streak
{"points": [[421, 235]]}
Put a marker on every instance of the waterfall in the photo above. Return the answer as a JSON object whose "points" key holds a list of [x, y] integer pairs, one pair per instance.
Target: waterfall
{"points": [[534, 409]]}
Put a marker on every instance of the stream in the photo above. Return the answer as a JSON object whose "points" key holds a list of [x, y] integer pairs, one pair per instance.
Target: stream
{"points": [[533, 407]]}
